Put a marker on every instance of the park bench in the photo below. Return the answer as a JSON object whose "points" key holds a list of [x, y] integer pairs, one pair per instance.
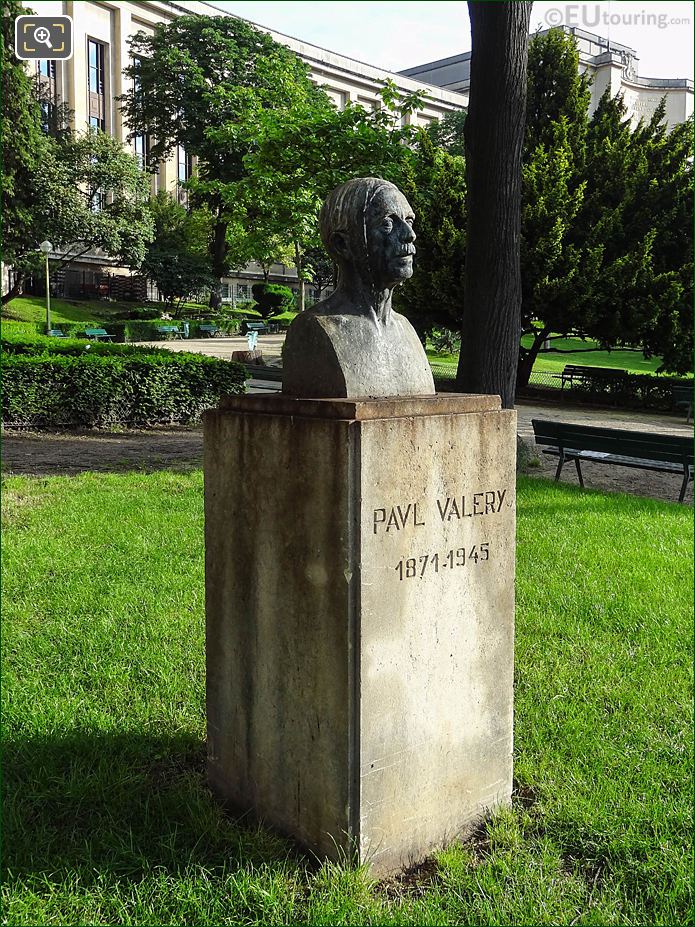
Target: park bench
{"points": [[209, 330], [577, 373], [56, 333], [98, 334], [682, 396], [169, 331], [259, 327], [644, 451]]}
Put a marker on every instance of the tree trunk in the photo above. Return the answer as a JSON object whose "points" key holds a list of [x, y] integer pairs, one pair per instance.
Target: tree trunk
{"points": [[494, 134], [219, 262], [527, 357], [298, 262], [15, 290]]}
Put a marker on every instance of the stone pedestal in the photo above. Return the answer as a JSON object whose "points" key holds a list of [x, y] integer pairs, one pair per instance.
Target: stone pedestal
{"points": [[360, 617]]}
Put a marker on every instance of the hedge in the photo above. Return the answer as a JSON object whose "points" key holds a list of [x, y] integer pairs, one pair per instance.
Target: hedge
{"points": [[100, 390], [76, 347], [138, 329], [630, 390]]}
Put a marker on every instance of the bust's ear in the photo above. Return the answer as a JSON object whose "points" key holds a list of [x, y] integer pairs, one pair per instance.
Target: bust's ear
{"points": [[340, 244]]}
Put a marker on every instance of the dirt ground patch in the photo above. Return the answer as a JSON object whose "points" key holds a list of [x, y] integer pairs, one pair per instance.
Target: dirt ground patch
{"points": [[54, 453], [664, 486]]}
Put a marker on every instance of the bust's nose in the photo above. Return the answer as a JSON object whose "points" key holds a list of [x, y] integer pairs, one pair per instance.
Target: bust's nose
{"points": [[406, 232]]}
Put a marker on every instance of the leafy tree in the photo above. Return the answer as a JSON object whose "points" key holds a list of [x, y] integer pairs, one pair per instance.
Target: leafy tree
{"points": [[87, 194], [435, 185], [177, 260], [201, 82], [320, 269], [24, 147], [605, 228], [272, 299], [606, 218], [93, 196], [303, 154], [554, 269], [448, 132], [636, 224]]}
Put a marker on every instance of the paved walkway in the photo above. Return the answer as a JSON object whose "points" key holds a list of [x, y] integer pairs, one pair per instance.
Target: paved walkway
{"points": [[270, 345]]}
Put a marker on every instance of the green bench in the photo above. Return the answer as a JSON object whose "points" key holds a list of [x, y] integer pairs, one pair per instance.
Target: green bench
{"points": [[642, 450], [56, 333], [98, 334], [259, 327], [209, 331], [577, 373], [682, 397], [169, 331]]}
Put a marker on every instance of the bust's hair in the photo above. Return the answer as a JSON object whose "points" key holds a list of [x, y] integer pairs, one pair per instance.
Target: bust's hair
{"points": [[345, 210]]}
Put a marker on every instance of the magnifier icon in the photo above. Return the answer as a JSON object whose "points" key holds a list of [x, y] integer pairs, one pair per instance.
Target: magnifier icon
{"points": [[43, 35]]}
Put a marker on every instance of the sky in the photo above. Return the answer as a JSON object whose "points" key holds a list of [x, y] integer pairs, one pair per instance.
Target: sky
{"points": [[397, 34]]}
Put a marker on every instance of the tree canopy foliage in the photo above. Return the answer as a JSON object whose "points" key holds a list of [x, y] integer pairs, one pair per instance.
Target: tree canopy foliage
{"points": [[203, 83], [177, 259], [81, 192], [606, 220]]}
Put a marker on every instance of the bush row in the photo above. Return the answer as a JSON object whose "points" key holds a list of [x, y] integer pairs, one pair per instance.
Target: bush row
{"points": [[76, 347], [137, 329], [93, 390], [640, 389]]}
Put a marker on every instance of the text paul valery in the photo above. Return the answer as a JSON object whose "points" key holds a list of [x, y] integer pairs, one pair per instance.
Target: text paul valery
{"points": [[446, 508]]}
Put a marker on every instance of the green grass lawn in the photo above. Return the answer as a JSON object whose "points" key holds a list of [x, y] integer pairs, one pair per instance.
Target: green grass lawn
{"points": [[33, 309], [549, 361], [107, 818], [552, 362]]}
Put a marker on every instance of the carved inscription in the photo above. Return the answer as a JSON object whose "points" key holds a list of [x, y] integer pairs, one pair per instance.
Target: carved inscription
{"points": [[442, 510], [446, 508], [416, 567]]}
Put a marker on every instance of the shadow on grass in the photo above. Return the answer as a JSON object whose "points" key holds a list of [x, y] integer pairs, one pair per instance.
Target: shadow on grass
{"points": [[122, 805]]}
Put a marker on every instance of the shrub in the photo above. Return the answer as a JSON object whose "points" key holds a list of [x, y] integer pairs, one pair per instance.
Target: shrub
{"points": [[226, 325], [102, 389], [76, 347], [272, 299], [144, 313], [629, 389]]}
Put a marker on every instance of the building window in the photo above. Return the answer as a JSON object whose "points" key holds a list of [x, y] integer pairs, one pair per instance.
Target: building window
{"points": [[242, 291], [48, 93], [95, 84], [140, 143], [184, 169], [224, 291], [184, 164]]}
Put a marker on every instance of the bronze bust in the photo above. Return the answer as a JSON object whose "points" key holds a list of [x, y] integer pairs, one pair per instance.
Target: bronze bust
{"points": [[353, 343]]}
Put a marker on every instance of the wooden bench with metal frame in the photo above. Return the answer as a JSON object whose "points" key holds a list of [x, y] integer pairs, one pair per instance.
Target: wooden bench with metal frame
{"points": [[641, 450]]}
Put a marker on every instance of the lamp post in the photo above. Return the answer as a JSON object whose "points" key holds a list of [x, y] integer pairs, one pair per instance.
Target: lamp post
{"points": [[47, 247]]}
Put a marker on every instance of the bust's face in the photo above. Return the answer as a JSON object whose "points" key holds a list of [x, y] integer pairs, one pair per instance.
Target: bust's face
{"points": [[390, 238]]}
